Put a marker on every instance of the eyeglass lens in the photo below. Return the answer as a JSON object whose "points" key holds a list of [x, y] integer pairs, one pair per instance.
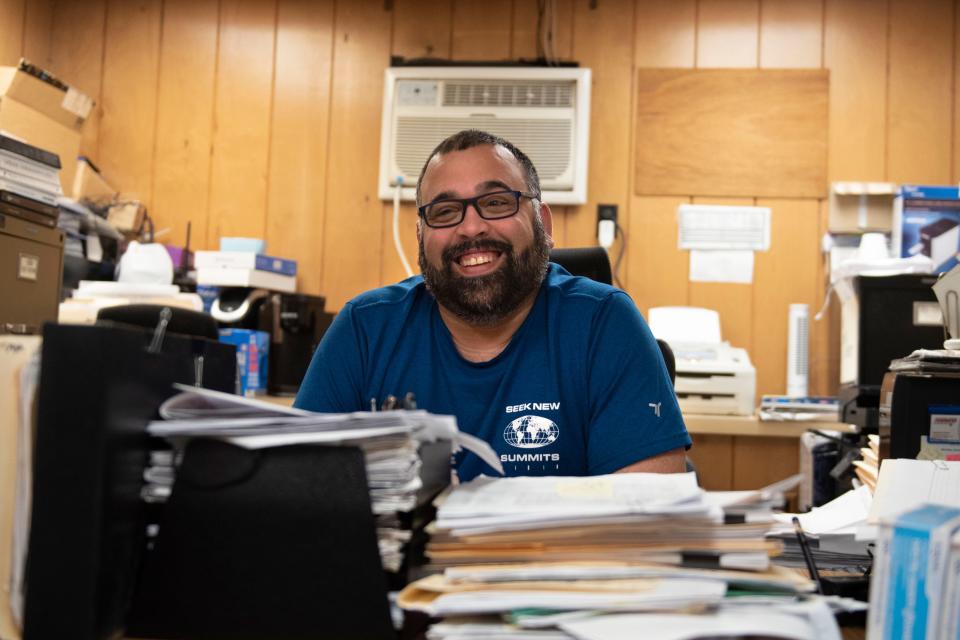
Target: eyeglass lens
{"points": [[500, 204]]}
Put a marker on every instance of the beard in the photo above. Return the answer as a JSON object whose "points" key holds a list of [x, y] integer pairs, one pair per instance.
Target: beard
{"points": [[487, 299]]}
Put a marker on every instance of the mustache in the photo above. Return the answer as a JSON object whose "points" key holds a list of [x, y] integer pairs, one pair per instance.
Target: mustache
{"points": [[483, 244]]}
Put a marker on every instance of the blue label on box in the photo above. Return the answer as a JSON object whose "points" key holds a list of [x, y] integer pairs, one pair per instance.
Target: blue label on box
{"points": [[253, 351]]}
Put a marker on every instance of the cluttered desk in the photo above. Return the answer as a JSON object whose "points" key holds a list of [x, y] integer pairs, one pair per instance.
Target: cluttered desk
{"points": [[194, 511]]}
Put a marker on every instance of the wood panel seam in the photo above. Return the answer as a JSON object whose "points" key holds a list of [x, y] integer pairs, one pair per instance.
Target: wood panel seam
{"points": [[156, 111], [213, 126], [270, 112]]}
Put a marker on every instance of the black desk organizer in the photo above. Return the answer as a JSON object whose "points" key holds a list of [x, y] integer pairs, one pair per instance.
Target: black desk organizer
{"points": [[274, 544], [99, 387], [278, 543]]}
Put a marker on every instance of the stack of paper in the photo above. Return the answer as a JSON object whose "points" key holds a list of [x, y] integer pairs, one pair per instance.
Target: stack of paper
{"points": [[524, 557], [661, 518], [868, 467], [831, 532], [388, 439]]}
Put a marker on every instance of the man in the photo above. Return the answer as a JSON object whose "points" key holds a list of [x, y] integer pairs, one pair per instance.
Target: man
{"points": [[559, 374]]}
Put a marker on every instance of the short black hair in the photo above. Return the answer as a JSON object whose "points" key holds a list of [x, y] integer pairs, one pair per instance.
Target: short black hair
{"points": [[469, 138]]}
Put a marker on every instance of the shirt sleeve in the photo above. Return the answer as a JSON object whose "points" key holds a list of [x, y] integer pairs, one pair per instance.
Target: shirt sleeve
{"points": [[334, 379], [634, 413]]}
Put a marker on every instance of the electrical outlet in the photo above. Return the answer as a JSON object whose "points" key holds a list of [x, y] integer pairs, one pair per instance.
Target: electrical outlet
{"points": [[607, 212], [606, 224]]}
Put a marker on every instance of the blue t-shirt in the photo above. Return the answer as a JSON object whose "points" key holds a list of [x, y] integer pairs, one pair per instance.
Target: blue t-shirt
{"points": [[581, 389]]}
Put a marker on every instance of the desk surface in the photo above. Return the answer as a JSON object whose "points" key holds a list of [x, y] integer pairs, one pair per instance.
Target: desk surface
{"points": [[704, 424], [752, 426]]}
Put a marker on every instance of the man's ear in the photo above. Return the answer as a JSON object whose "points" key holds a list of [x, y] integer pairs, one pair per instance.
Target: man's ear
{"points": [[546, 217]]}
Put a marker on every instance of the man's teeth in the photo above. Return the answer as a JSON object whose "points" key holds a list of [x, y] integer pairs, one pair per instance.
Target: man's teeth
{"points": [[471, 261]]}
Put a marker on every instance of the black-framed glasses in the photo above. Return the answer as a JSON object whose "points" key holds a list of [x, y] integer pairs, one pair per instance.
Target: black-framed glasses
{"points": [[449, 212]]}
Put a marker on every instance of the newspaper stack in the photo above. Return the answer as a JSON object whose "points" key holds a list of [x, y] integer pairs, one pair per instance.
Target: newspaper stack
{"points": [[604, 556], [389, 440]]}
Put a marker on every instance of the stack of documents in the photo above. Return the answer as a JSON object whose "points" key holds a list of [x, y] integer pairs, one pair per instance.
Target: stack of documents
{"points": [[868, 467], [831, 532], [637, 517], [929, 361], [388, 439], [532, 557], [799, 409]]}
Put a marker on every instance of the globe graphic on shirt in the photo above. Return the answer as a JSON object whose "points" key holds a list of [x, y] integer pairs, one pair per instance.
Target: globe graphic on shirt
{"points": [[531, 432]]}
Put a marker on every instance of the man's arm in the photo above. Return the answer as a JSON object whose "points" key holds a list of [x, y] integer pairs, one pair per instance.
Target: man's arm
{"points": [[635, 422], [674, 461]]}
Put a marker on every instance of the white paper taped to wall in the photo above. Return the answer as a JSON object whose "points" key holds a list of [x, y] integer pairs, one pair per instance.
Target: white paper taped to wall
{"points": [[721, 266]]}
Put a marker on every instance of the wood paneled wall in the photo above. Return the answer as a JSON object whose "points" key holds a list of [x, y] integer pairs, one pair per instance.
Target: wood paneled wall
{"points": [[261, 117]]}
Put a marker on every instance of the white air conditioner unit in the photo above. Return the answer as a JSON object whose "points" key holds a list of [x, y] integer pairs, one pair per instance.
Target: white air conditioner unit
{"points": [[544, 111]]}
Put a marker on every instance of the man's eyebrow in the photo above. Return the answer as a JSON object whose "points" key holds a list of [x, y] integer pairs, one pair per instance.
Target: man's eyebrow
{"points": [[489, 184], [481, 188]]}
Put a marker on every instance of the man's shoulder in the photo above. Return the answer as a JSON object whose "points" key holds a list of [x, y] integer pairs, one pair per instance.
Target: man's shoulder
{"points": [[406, 292]]}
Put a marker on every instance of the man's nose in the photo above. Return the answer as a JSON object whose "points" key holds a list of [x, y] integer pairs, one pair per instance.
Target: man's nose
{"points": [[472, 224]]}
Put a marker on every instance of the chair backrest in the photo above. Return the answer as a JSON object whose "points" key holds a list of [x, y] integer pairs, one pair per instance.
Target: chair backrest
{"points": [[668, 359], [591, 262], [182, 321]]}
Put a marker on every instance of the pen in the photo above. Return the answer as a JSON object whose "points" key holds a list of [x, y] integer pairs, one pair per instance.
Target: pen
{"points": [[807, 556]]}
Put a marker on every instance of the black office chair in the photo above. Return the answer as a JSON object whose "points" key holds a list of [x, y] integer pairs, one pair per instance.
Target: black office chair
{"points": [[182, 321], [590, 262]]}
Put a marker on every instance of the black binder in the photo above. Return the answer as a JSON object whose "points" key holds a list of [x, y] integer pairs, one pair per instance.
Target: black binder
{"points": [[278, 543], [99, 387]]}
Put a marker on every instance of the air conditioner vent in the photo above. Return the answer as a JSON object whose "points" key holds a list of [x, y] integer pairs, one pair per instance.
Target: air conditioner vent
{"points": [[546, 142], [472, 93], [545, 111]]}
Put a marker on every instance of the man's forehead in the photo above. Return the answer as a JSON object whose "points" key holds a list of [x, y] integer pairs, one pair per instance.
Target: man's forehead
{"points": [[493, 164]]}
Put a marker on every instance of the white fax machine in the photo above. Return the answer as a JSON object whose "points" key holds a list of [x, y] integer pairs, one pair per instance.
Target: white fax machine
{"points": [[715, 379], [712, 376]]}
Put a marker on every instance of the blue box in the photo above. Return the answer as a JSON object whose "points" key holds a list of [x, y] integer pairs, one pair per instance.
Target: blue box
{"points": [[927, 221], [910, 574], [253, 355]]}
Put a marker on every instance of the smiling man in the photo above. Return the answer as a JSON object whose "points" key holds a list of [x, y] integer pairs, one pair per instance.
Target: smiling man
{"points": [[558, 373]]}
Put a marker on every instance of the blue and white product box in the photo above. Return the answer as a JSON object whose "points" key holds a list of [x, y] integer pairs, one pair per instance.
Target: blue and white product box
{"points": [[244, 260], [253, 351], [911, 569], [927, 221], [951, 598]]}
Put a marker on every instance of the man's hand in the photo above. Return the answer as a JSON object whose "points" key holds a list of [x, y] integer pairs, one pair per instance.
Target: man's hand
{"points": [[668, 462]]}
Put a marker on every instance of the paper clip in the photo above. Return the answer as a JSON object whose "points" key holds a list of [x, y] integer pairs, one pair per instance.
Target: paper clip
{"points": [[161, 329]]}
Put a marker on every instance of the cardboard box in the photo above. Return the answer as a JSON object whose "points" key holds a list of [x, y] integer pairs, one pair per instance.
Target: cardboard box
{"points": [[253, 356], [927, 221], [856, 207], [88, 184], [45, 113]]}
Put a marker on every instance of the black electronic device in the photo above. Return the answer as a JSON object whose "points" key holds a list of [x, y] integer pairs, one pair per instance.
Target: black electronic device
{"points": [[889, 317], [909, 400], [296, 323], [895, 316]]}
